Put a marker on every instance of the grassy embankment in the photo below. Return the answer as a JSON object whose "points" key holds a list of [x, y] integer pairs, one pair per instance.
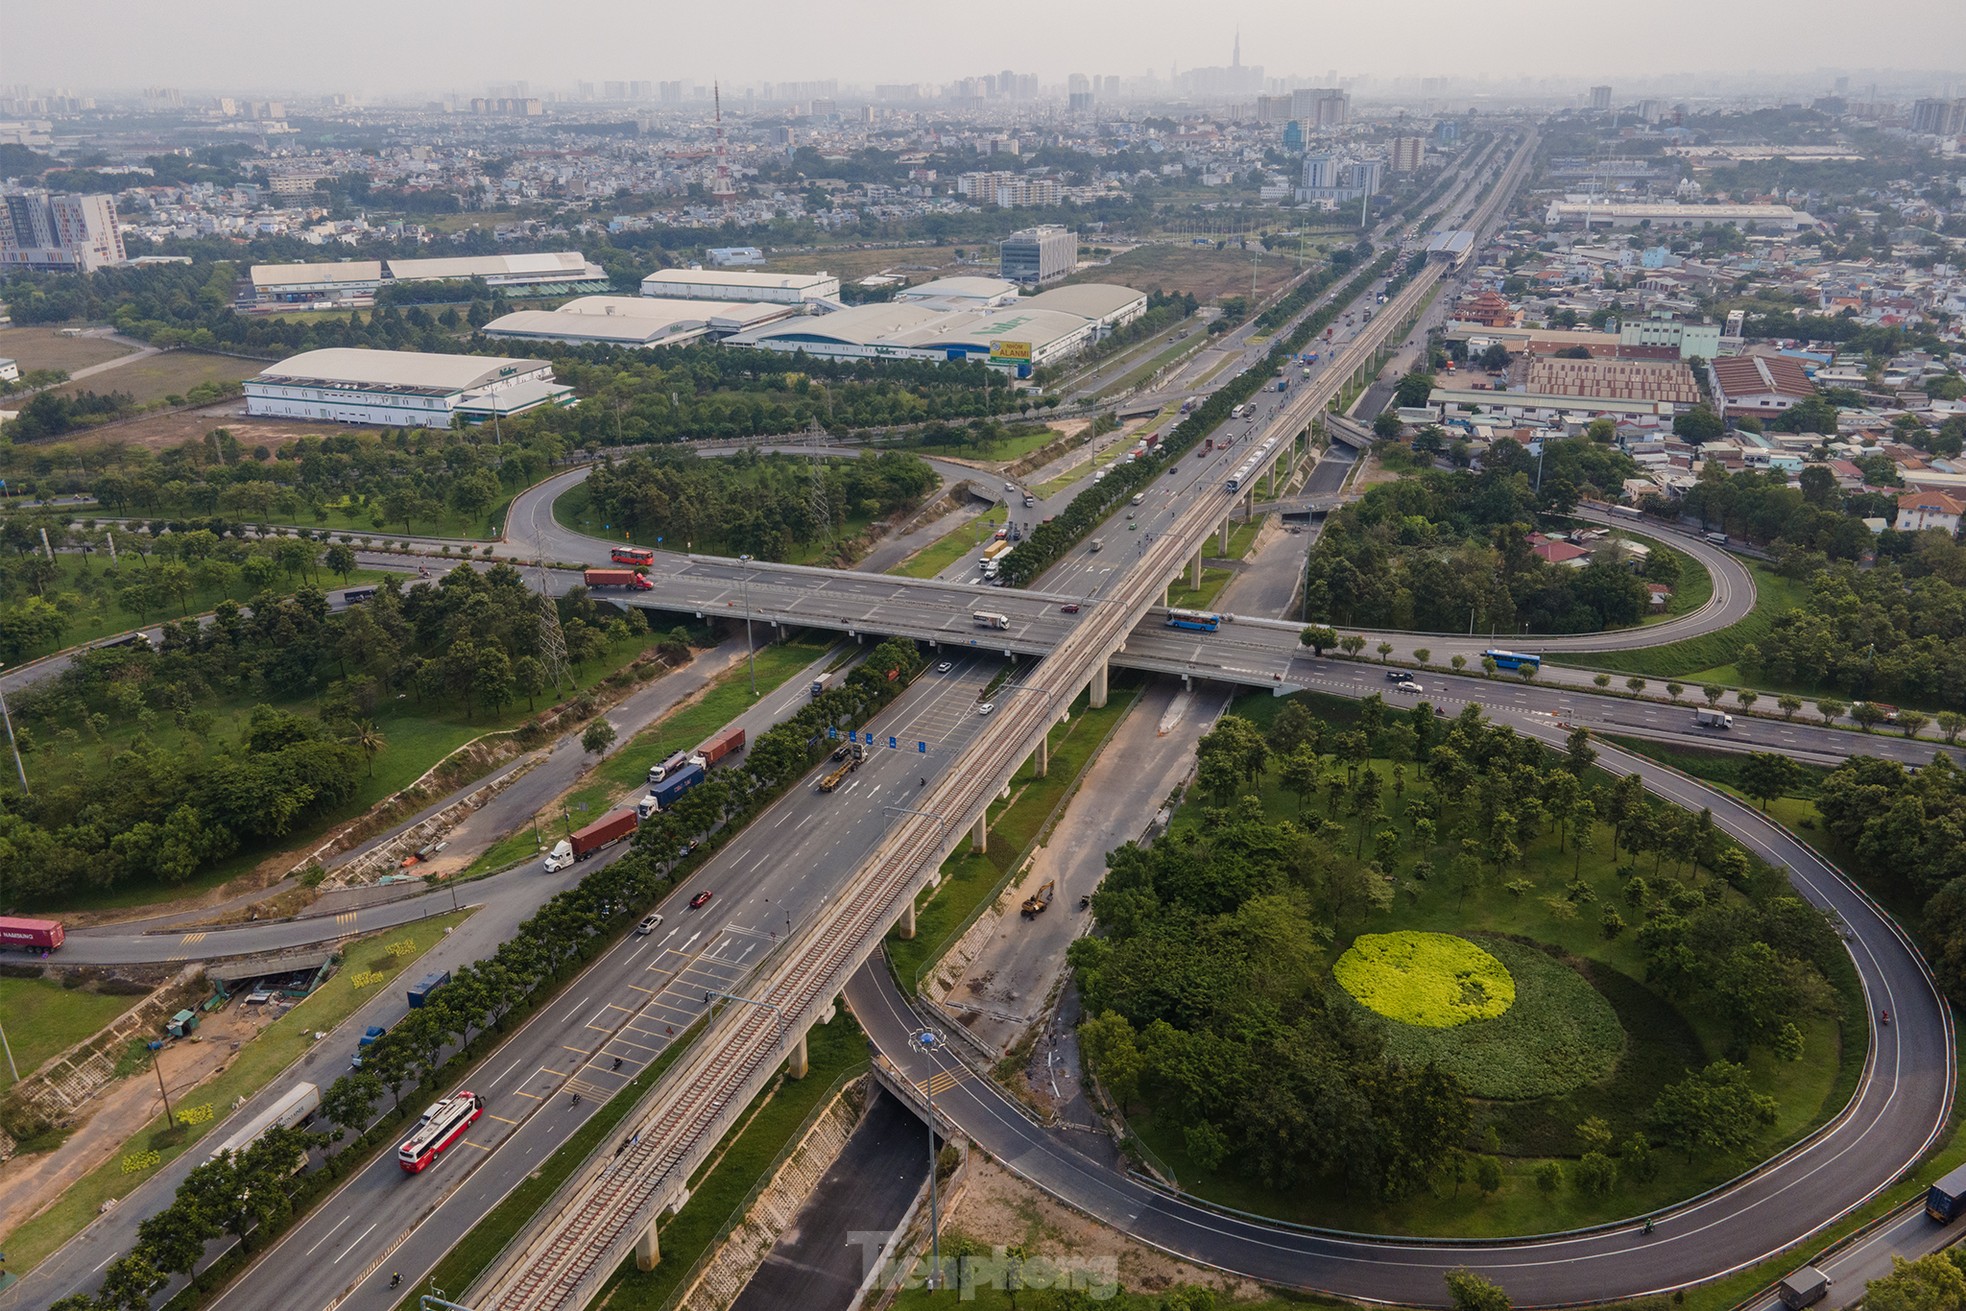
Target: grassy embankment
{"points": [[44, 1019]]}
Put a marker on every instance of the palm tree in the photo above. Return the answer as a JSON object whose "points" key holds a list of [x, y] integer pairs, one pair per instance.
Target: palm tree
{"points": [[370, 739]]}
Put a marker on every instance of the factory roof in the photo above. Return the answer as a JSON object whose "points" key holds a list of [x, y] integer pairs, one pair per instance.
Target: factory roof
{"points": [[1088, 300], [490, 266], [635, 320], [736, 278], [290, 275], [418, 371], [960, 289]]}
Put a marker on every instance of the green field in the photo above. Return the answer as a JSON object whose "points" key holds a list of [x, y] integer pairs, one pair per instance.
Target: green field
{"points": [[1007, 451], [94, 611], [258, 1063], [952, 546], [166, 377], [727, 698], [968, 880], [571, 510], [42, 1019]]}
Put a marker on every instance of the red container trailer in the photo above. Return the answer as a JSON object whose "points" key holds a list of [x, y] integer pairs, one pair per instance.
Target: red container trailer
{"points": [[617, 578], [727, 743], [36, 935], [603, 831]]}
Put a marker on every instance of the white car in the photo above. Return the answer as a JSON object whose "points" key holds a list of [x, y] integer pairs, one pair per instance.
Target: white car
{"points": [[648, 926], [1409, 685], [945, 666], [986, 707]]}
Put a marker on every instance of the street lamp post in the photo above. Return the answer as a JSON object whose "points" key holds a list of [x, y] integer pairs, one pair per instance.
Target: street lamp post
{"points": [[13, 742], [927, 1040], [750, 656]]}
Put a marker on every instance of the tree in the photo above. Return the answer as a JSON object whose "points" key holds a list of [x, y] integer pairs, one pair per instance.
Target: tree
{"points": [[1549, 1178], [1699, 424], [1319, 638], [1471, 1292], [1714, 1110], [1413, 389], [1351, 644], [1931, 1283], [1788, 704], [1109, 1044], [341, 560], [1951, 723], [1912, 721], [1867, 715], [1488, 1174], [1386, 425], [1746, 698], [1579, 754], [1674, 690], [1766, 775], [1830, 709], [1634, 685], [1421, 654], [1495, 358], [369, 739], [529, 678], [1597, 1174], [598, 738], [1385, 650], [1713, 692], [1300, 771]]}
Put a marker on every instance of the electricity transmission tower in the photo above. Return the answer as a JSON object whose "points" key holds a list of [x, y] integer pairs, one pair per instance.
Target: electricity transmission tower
{"points": [[552, 639]]}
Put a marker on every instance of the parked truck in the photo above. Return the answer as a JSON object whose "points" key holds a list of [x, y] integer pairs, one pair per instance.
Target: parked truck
{"points": [[663, 795], [617, 578], [659, 772], [1035, 904], [1945, 1201], [821, 683], [420, 990], [603, 832], [30, 934], [711, 753], [293, 1109], [1709, 717]]}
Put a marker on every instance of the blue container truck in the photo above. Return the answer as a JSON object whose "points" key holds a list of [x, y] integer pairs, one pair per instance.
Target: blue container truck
{"points": [[428, 984], [1945, 1201], [663, 795], [367, 1041]]}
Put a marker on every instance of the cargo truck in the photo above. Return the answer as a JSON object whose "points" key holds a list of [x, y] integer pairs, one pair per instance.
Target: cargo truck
{"points": [[1708, 717], [995, 549], [854, 755], [727, 743], [293, 1109], [420, 991], [559, 857], [617, 578], [605, 831], [31, 934], [659, 772], [663, 795], [366, 1041], [990, 619], [821, 683], [1805, 1287], [1945, 1201]]}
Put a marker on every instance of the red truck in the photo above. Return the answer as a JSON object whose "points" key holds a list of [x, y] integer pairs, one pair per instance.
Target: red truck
{"points": [[727, 743], [606, 830], [618, 578], [41, 935]]}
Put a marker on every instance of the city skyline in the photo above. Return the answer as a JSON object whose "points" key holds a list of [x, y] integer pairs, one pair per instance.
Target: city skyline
{"points": [[236, 47]]}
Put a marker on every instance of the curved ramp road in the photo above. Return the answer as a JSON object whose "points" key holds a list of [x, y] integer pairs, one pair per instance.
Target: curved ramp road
{"points": [[1900, 1107]]}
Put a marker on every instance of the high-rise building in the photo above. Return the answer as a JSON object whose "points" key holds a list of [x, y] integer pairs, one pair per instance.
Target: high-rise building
{"points": [[1601, 99], [1293, 135], [1405, 154], [58, 232], [1273, 109], [1035, 256], [1938, 118], [1320, 107]]}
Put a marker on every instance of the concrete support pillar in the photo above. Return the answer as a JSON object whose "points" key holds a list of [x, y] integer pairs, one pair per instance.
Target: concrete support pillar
{"points": [[1222, 539], [648, 1254], [979, 837], [1194, 571], [1096, 694], [799, 1063], [1043, 755], [907, 924], [1167, 594], [1248, 504]]}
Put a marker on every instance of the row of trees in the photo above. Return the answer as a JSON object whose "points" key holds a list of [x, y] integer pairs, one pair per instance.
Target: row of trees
{"points": [[111, 805], [751, 502], [1443, 550], [1813, 515], [414, 1058], [1047, 543], [1210, 994]]}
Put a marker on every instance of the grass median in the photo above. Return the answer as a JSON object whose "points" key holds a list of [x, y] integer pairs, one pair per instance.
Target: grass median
{"points": [[377, 961], [952, 546], [969, 882], [45, 1019]]}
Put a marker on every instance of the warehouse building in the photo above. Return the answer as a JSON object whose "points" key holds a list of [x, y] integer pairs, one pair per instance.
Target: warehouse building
{"points": [[1669, 216], [736, 284], [1012, 338], [962, 293], [637, 321], [1107, 304], [401, 389], [541, 273]]}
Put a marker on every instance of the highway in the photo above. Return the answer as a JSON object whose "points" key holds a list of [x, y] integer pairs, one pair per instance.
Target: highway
{"points": [[610, 1199]]}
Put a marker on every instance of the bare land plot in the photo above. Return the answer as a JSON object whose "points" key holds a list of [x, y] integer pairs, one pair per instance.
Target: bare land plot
{"points": [[1203, 270], [171, 373], [46, 348]]}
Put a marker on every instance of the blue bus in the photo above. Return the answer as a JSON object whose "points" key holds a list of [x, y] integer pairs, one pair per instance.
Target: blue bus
{"points": [[1513, 660], [1200, 621]]}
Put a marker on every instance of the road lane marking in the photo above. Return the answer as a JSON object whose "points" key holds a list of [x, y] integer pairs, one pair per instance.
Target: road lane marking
{"points": [[576, 1007], [502, 1073], [357, 1243], [501, 1119]]}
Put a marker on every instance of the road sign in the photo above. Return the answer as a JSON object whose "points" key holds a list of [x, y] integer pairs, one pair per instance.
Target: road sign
{"points": [[832, 734], [890, 744], [922, 748]]}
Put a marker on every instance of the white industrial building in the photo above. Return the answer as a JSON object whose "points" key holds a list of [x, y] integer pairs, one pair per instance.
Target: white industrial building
{"points": [[1108, 305], [401, 389], [972, 293], [1040, 255], [346, 280], [1012, 338], [1669, 215], [638, 321], [735, 284]]}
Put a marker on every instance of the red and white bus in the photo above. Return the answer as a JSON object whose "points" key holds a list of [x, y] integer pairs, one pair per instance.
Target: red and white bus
{"points": [[641, 555], [442, 1125]]}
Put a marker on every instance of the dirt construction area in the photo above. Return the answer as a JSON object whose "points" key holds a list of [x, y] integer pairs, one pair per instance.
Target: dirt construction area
{"points": [[30, 1183], [47, 348], [162, 431]]}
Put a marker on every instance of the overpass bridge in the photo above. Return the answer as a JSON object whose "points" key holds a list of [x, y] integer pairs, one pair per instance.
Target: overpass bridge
{"points": [[610, 1206]]}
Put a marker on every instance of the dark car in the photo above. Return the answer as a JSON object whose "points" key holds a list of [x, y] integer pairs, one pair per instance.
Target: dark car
{"points": [[1070, 607], [699, 901], [1397, 676]]}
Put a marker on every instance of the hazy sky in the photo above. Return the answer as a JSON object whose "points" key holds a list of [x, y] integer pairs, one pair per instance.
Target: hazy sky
{"points": [[381, 47]]}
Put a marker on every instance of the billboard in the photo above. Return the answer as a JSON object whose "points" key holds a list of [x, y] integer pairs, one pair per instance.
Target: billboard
{"points": [[1010, 351]]}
